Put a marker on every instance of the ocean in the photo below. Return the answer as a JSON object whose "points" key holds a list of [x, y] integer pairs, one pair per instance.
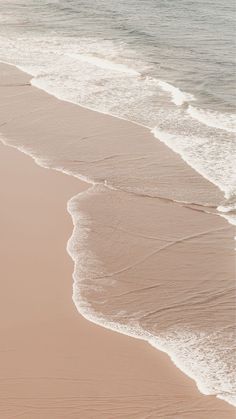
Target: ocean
{"points": [[166, 66]]}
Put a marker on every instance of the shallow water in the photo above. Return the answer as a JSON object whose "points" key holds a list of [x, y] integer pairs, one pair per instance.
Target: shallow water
{"points": [[166, 68], [137, 61]]}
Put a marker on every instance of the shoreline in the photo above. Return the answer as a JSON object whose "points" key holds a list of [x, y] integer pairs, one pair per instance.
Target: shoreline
{"points": [[187, 380], [161, 136], [158, 135]]}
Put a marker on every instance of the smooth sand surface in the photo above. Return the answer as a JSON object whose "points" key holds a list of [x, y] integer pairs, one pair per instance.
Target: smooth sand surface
{"points": [[54, 364]]}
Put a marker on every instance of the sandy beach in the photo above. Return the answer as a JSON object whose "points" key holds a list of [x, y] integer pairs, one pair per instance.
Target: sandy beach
{"points": [[54, 363]]}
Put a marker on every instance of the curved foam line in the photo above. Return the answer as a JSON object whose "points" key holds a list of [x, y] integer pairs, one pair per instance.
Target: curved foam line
{"points": [[178, 97], [213, 119], [105, 64], [132, 330], [84, 308]]}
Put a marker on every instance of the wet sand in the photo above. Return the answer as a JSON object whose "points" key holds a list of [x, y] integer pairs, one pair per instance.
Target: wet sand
{"points": [[54, 363]]}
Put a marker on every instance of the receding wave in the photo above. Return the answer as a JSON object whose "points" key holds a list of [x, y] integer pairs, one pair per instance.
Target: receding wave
{"points": [[226, 122], [178, 97], [106, 64], [108, 77], [170, 318]]}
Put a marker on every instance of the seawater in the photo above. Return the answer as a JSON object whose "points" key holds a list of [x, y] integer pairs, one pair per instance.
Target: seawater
{"points": [[166, 67]]}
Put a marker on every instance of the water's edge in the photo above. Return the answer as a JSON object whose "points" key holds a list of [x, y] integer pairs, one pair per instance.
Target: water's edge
{"points": [[83, 306]]}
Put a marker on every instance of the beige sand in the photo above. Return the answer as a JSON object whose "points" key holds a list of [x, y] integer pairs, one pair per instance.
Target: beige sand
{"points": [[54, 364]]}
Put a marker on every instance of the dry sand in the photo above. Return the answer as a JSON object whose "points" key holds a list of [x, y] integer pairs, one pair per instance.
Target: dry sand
{"points": [[54, 364]]}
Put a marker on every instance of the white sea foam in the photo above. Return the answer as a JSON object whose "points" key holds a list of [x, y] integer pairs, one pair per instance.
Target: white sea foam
{"points": [[223, 177], [105, 64], [228, 211], [214, 119], [193, 352], [45, 163], [135, 98], [199, 362], [82, 72], [196, 354], [178, 97]]}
